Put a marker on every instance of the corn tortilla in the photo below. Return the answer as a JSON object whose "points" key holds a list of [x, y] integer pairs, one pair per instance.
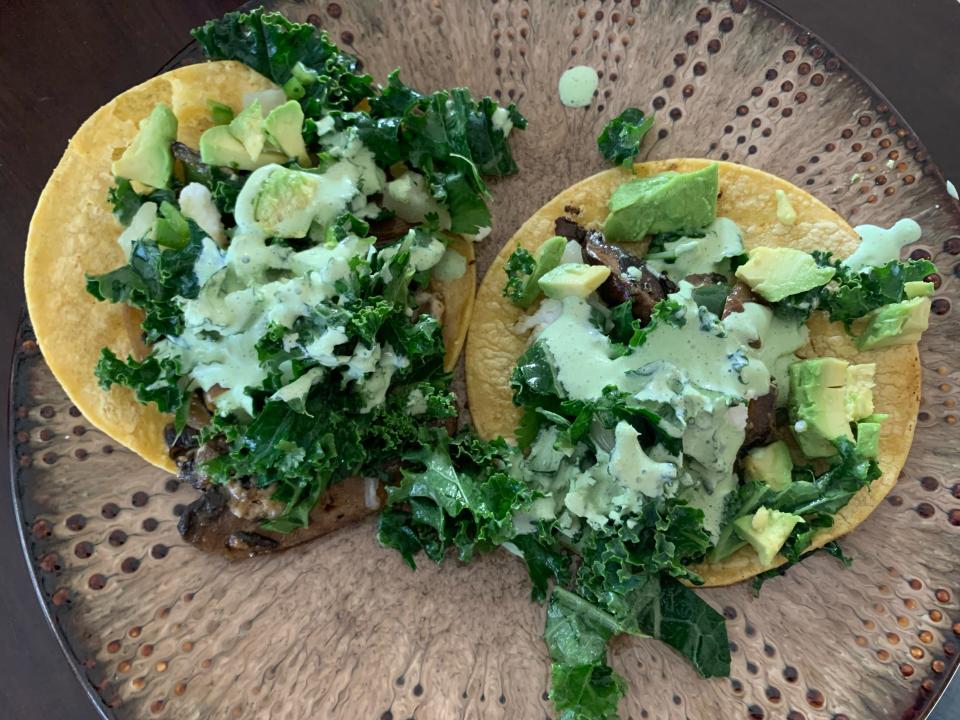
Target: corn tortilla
{"points": [[747, 196], [73, 232]]}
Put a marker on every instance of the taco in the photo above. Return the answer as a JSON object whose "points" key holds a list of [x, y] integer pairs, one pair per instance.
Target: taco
{"points": [[667, 333], [227, 279]]}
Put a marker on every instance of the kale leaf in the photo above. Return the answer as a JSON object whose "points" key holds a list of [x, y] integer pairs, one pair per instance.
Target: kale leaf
{"points": [[583, 686], [831, 548], [152, 379], [273, 46], [448, 136], [459, 498], [152, 280], [519, 267], [859, 293], [620, 140], [126, 201]]}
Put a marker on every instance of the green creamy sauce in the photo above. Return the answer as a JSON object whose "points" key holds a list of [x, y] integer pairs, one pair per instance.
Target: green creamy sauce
{"points": [[697, 377], [256, 284], [577, 85], [879, 246], [703, 356], [689, 256]]}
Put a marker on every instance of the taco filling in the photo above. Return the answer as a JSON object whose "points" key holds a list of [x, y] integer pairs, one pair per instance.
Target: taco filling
{"points": [[286, 279], [659, 345]]}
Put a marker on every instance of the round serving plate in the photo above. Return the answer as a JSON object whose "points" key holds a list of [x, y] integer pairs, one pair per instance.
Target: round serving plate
{"points": [[341, 628]]}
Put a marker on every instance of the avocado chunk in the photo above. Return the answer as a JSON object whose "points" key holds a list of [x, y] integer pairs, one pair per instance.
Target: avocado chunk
{"points": [[860, 384], [220, 113], [547, 257], [573, 280], [667, 202], [776, 273], [219, 147], [286, 204], [247, 127], [917, 288], [868, 439], [818, 405], [284, 126], [766, 531], [770, 464], [901, 323], [149, 159], [171, 229]]}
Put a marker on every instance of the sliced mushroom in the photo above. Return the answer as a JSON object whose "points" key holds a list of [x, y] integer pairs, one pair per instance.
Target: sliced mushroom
{"points": [[631, 279], [761, 418], [739, 294], [209, 525]]}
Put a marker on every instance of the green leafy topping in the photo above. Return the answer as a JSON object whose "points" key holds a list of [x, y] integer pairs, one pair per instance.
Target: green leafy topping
{"points": [[859, 293], [126, 201], [154, 380], [151, 281], [273, 46], [519, 267], [831, 548], [620, 140]]}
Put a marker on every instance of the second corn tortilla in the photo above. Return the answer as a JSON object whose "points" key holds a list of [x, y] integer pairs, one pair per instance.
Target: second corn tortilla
{"points": [[747, 196]]}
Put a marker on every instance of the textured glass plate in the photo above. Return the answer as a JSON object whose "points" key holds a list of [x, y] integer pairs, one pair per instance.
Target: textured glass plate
{"points": [[341, 628]]}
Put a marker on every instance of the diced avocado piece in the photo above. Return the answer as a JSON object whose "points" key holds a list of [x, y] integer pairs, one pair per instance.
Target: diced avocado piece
{"points": [[818, 405], [901, 323], [860, 385], [220, 114], [776, 273], [149, 159], [868, 439], [293, 88], [305, 75], [547, 257], [766, 530], [917, 288], [247, 127], [729, 542], [171, 229], [770, 464], [876, 417], [286, 204], [667, 202], [573, 280], [219, 147], [284, 125]]}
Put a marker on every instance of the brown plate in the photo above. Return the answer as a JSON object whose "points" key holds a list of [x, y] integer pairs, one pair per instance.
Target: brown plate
{"points": [[340, 627]]}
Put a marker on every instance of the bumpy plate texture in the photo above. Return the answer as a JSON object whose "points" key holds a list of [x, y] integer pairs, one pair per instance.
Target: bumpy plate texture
{"points": [[340, 628]]}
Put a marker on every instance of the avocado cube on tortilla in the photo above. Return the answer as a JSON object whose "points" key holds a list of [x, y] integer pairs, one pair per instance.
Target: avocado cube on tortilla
{"points": [[766, 531], [148, 159], [776, 273], [818, 405]]}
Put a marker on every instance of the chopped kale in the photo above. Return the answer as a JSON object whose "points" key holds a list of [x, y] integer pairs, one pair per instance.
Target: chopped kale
{"points": [[620, 140]]}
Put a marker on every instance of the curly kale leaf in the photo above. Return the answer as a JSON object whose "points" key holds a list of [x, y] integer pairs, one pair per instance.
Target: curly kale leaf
{"points": [[153, 380], [152, 280], [620, 140], [831, 548], [273, 46], [666, 311], [453, 502], [449, 137], [858, 293], [126, 201], [583, 686], [519, 267]]}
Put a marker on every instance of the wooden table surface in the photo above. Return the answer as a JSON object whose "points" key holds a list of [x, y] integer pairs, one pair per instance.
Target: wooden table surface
{"points": [[60, 60]]}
